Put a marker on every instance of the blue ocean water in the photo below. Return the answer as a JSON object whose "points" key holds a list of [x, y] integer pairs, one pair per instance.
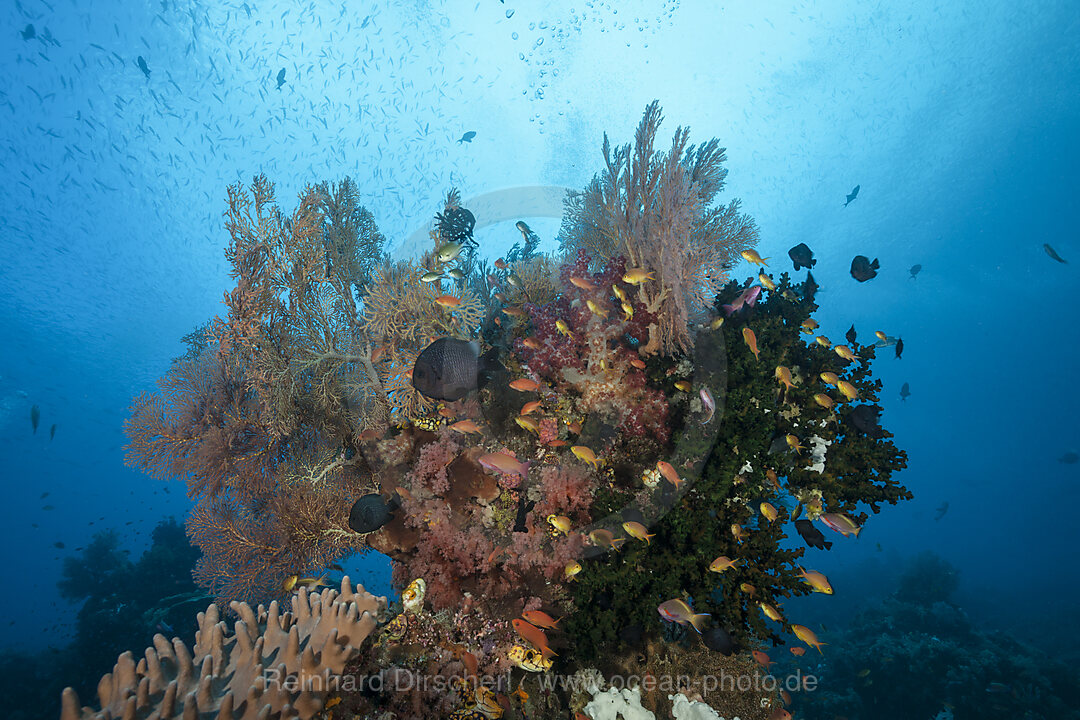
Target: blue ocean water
{"points": [[959, 121]]}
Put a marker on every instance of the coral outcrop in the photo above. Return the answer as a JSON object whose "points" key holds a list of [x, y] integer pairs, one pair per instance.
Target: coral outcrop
{"points": [[274, 665]]}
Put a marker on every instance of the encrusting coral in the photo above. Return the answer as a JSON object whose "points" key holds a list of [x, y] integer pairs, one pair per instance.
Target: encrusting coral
{"points": [[275, 665]]}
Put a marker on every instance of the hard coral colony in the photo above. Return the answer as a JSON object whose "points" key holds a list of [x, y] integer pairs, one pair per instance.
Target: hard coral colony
{"points": [[614, 392]]}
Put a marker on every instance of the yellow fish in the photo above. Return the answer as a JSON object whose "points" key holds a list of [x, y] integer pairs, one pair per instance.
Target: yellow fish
{"points": [[809, 326], [752, 256], [847, 390], [628, 310], [823, 341], [636, 276], [528, 423], [845, 352], [750, 339], [766, 281], [748, 588], [684, 386], [619, 293], [716, 324], [572, 568], [783, 376], [596, 309], [793, 443], [738, 533], [881, 336], [816, 580], [771, 612], [560, 523], [722, 563], [585, 454], [563, 328], [605, 538], [637, 530], [769, 511], [807, 636], [824, 401], [829, 378]]}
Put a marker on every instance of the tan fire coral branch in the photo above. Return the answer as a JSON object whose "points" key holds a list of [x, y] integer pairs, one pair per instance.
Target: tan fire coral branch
{"points": [[274, 664]]}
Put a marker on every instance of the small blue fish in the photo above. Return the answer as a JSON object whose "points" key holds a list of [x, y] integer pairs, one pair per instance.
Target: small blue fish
{"points": [[467, 137]]}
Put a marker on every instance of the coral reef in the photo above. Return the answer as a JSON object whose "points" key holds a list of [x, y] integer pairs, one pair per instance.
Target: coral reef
{"points": [[631, 432], [275, 665], [914, 653]]}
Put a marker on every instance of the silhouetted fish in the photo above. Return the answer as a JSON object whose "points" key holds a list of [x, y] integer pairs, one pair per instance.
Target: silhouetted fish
{"points": [[1069, 458], [369, 513], [810, 288], [142, 66], [1053, 253], [280, 78], [52, 431], [862, 269], [905, 392], [864, 418], [915, 269], [29, 33], [942, 509], [852, 195], [719, 640], [899, 347], [802, 256], [467, 137], [814, 538], [850, 335], [449, 369], [35, 417]]}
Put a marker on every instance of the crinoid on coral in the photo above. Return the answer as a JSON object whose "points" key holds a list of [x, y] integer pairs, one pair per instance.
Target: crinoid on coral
{"points": [[275, 665]]}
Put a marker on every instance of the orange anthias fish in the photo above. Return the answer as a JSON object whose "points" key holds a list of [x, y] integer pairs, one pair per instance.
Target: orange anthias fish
{"points": [[752, 256], [585, 454], [830, 378], [466, 426], [534, 635], [636, 276], [525, 385], [504, 463], [582, 283], [637, 530], [448, 301], [531, 343], [530, 407], [602, 537], [807, 636], [669, 472], [816, 580], [783, 376], [798, 651], [750, 339], [638, 363], [847, 389], [679, 611], [762, 659], [722, 563], [541, 619]]}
